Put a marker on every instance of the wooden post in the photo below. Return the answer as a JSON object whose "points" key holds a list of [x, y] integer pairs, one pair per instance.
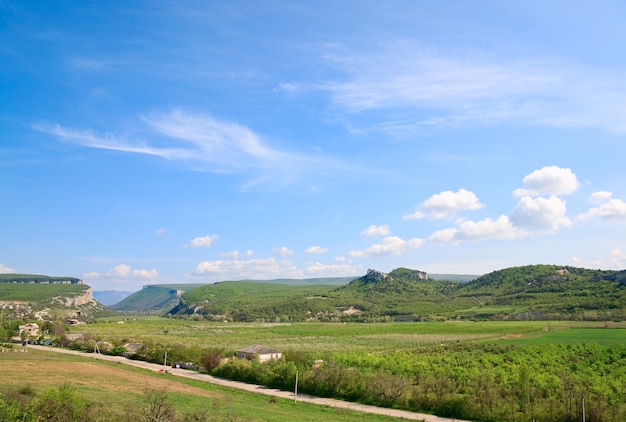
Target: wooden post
{"points": [[295, 393]]}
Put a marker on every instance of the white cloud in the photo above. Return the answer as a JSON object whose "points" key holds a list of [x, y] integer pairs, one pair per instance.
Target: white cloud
{"points": [[6, 270], [126, 271], [615, 261], [446, 204], [203, 242], [202, 139], [318, 269], [550, 180], [161, 231], [315, 250], [540, 215], [600, 197], [121, 274], [404, 79], [486, 229], [376, 231], [237, 269], [612, 209], [283, 251], [390, 245]]}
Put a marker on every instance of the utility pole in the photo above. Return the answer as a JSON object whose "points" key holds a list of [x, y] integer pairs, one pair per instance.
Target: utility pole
{"points": [[295, 393]]}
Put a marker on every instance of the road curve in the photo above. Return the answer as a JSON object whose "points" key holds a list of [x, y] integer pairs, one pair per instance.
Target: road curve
{"points": [[258, 388]]}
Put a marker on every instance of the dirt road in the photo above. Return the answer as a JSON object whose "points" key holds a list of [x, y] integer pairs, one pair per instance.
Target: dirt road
{"points": [[257, 388]]}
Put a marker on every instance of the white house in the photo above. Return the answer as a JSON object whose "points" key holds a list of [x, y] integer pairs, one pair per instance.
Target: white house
{"points": [[262, 353]]}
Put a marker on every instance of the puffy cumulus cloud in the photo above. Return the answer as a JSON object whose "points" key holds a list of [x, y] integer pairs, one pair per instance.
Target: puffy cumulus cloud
{"points": [[549, 180], [376, 231], [540, 215], [123, 271], [486, 229], [120, 274], [600, 197], [611, 210], [6, 270], [238, 269], [203, 242], [390, 245], [446, 204], [315, 250], [126, 271], [282, 251], [318, 269]]}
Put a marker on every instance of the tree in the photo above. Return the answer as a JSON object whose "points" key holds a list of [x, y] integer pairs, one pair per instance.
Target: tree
{"points": [[157, 408]]}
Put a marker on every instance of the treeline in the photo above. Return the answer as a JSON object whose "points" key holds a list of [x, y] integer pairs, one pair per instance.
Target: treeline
{"points": [[64, 404]]}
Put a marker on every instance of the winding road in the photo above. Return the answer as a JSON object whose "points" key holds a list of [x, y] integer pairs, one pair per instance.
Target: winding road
{"points": [[257, 388]]}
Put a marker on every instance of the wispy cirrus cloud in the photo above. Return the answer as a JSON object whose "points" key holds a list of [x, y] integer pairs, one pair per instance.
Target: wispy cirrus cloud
{"points": [[200, 138], [412, 86]]}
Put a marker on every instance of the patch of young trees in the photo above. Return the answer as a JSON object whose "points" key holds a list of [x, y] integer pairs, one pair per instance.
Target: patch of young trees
{"points": [[466, 381]]}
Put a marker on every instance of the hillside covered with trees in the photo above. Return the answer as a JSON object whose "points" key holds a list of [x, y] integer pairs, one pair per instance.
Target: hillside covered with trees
{"points": [[528, 292]]}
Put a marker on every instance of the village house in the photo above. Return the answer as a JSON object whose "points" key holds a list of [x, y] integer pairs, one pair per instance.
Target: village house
{"points": [[30, 330], [262, 353]]}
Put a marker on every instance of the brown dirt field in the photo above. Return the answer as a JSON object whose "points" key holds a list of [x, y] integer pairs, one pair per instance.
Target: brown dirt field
{"points": [[92, 374]]}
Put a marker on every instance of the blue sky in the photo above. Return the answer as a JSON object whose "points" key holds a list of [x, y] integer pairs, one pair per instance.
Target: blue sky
{"points": [[160, 142]]}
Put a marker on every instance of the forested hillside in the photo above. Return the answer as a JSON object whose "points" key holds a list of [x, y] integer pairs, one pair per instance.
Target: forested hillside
{"points": [[528, 292]]}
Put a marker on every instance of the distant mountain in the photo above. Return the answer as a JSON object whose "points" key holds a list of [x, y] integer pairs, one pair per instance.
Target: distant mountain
{"points": [[110, 297], [156, 298]]}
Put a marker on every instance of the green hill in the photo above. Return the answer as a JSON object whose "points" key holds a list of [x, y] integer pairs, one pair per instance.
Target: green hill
{"points": [[158, 298], [529, 292], [38, 292], [552, 291]]}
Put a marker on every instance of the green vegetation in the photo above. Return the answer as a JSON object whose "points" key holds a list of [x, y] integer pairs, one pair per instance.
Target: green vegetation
{"points": [[40, 293], [539, 292]]}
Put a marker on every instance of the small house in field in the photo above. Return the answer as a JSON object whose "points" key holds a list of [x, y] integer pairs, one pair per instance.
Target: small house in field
{"points": [[30, 330], [262, 353]]}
